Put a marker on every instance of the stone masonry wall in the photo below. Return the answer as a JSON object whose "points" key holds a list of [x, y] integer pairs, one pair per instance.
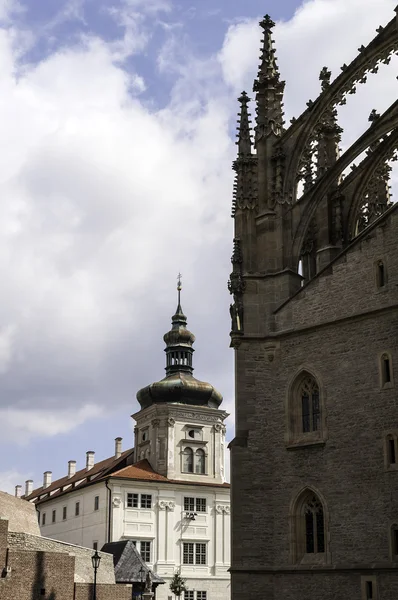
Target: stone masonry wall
{"points": [[83, 565], [349, 470]]}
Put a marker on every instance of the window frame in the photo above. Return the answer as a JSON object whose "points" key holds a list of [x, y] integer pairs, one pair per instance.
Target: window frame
{"points": [[146, 551], [298, 529], [196, 552], [187, 465], [201, 595], [54, 516], [43, 519], [386, 371], [135, 500], [64, 513], [195, 504], [77, 508], [96, 503], [146, 499], [305, 429]]}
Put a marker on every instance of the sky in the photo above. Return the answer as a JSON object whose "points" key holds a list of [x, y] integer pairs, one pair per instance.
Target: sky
{"points": [[117, 137]]}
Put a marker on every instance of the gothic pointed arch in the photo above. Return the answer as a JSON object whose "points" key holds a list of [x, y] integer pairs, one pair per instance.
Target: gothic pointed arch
{"points": [[305, 410], [309, 528]]}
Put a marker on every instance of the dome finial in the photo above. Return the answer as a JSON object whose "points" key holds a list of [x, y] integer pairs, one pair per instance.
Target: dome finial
{"points": [[179, 287]]}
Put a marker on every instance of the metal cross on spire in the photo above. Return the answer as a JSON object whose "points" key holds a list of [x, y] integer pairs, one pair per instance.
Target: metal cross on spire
{"points": [[179, 286]]}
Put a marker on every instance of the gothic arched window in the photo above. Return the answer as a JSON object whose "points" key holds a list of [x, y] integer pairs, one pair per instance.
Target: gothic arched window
{"points": [[200, 458], [306, 411], [386, 374], [187, 460], [310, 407], [308, 528]]}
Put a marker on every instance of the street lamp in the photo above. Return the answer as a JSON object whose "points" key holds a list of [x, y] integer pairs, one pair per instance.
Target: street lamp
{"points": [[141, 572], [95, 559]]}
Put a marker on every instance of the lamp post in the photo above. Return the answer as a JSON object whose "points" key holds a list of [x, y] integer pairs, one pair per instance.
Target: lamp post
{"points": [[95, 559], [141, 572]]}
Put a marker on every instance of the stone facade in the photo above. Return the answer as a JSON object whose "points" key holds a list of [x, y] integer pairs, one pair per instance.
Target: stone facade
{"points": [[315, 336]]}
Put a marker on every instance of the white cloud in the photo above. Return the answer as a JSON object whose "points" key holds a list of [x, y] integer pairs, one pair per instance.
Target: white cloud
{"points": [[9, 479], [105, 199]]}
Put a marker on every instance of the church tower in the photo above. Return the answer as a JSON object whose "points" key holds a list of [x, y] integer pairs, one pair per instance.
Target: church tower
{"points": [[314, 328], [180, 428]]}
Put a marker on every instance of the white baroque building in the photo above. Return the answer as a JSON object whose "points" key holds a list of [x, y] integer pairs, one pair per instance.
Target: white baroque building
{"points": [[167, 494]]}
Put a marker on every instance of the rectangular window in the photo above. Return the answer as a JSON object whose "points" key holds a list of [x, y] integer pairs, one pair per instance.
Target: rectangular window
{"points": [[395, 542], [386, 370], [369, 590], [201, 595], [43, 519], [54, 516], [200, 554], [145, 551], [391, 452], [305, 409], [77, 509], [189, 595], [95, 545], [200, 505], [146, 501], [64, 513], [189, 504], [132, 500], [188, 553], [96, 502]]}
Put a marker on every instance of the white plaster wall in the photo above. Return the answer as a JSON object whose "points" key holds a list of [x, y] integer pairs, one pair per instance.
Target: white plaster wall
{"points": [[167, 527], [84, 529]]}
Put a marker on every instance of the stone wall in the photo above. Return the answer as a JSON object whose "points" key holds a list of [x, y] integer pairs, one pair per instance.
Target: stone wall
{"points": [[336, 328], [20, 514], [83, 565]]}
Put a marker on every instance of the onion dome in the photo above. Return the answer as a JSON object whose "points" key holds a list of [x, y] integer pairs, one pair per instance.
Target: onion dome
{"points": [[179, 385]]}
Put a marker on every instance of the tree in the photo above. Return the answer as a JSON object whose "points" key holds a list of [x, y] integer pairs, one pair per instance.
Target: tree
{"points": [[177, 585]]}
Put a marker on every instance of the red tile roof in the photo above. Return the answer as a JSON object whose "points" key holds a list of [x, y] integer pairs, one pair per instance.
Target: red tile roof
{"points": [[142, 471], [99, 470]]}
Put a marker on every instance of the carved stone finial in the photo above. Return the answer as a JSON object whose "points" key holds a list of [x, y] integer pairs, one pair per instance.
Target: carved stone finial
{"points": [[374, 115], [267, 23], [244, 142], [325, 76]]}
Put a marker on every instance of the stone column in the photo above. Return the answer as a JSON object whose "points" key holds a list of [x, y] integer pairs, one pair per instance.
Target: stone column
{"points": [[148, 595]]}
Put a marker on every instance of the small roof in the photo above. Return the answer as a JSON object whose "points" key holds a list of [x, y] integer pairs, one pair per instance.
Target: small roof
{"points": [[128, 562]]}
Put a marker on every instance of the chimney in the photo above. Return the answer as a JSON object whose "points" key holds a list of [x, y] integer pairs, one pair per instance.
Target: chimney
{"points": [[89, 459], [28, 487], [46, 479], [118, 447], [71, 468], [18, 491]]}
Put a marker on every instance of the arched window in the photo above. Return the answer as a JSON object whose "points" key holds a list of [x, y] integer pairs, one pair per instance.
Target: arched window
{"points": [[310, 408], [200, 461], [306, 415], [187, 460], [308, 528]]}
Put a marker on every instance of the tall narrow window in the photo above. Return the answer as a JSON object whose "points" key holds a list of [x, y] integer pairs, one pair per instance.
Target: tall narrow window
{"points": [[64, 513], [391, 450], [96, 502], [380, 274], [200, 461], [308, 533], [369, 590], [394, 541], [54, 516], [43, 519], [386, 369], [187, 460], [145, 551], [77, 509], [310, 408]]}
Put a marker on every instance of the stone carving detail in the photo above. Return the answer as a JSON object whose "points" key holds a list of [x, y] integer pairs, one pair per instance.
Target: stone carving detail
{"points": [[155, 423], [116, 501], [245, 166], [218, 427], [236, 287], [166, 505], [171, 421], [223, 509]]}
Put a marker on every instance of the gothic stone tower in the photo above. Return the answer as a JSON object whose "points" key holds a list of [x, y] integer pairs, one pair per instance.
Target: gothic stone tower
{"points": [[315, 334]]}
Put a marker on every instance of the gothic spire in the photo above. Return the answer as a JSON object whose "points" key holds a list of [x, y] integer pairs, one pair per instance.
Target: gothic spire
{"points": [[268, 87], [245, 187], [244, 139], [328, 132]]}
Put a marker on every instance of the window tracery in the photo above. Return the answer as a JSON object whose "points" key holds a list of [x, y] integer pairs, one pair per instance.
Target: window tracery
{"points": [[306, 412], [308, 534]]}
